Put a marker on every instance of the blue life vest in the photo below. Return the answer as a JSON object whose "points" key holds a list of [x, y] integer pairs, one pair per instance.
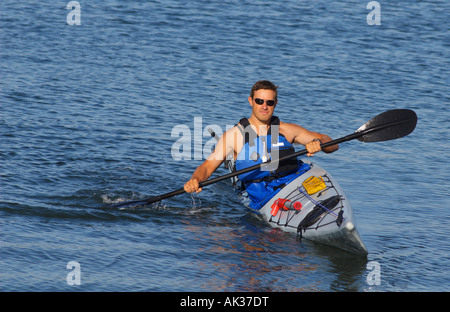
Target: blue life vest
{"points": [[262, 185]]}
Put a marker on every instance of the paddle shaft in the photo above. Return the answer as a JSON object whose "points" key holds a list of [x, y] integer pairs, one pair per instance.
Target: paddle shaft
{"points": [[355, 135]]}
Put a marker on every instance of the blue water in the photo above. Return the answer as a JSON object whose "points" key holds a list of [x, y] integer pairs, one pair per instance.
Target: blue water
{"points": [[87, 113]]}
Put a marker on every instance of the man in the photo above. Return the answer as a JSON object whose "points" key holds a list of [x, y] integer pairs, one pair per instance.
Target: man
{"points": [[254, 140]]}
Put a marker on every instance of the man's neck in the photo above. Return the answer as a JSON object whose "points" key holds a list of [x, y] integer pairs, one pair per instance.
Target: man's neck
{"points": [[256, 122], [260, 126]]}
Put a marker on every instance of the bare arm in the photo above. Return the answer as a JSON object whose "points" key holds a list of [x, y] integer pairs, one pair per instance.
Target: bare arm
{"points": [[224, 146], [309, 139]]}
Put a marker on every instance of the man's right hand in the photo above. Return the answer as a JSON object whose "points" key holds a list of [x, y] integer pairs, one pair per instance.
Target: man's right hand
{"points": [[192, 186]]}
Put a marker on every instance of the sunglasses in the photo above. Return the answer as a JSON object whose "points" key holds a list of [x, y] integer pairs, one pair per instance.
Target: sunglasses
{"points": [[268, 102]]}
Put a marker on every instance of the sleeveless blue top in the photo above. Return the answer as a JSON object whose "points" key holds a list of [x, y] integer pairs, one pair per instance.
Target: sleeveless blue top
{"points": [[262, 184]]}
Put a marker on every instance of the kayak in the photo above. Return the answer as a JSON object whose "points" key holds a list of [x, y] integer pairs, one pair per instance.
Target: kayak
{"points": [[314, 206]]}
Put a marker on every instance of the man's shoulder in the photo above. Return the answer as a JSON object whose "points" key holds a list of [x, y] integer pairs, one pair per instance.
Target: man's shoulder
{"points": [[290, 130], [287, 125], [234, 131]]}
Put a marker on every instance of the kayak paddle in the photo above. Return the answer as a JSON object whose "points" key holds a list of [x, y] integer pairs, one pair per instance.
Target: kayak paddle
{"points": [[390, 125]]}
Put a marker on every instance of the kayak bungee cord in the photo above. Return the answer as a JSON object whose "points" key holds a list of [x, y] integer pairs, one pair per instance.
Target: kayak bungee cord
{"points": [[316, 215], [317, 203]]}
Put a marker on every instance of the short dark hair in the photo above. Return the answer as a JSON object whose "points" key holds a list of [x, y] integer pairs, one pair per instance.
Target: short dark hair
{"points": [[264, 85]]}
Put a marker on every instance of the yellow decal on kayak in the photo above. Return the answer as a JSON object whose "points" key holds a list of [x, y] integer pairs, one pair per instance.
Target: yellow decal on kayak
{"points": [[314, 184]]}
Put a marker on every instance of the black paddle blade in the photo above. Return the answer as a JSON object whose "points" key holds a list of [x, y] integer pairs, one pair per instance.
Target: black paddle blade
{"points": [[390, 125]]}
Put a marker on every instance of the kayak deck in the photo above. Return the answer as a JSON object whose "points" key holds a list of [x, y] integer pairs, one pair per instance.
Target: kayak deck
{"points": [[325, 216]]}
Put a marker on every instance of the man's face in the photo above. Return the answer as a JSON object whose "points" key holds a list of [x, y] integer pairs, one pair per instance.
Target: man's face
{"points": [[262, 112]]}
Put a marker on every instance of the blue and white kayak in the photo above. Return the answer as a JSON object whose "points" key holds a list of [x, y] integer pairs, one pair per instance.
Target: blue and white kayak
{"points": [[314, 206]]}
